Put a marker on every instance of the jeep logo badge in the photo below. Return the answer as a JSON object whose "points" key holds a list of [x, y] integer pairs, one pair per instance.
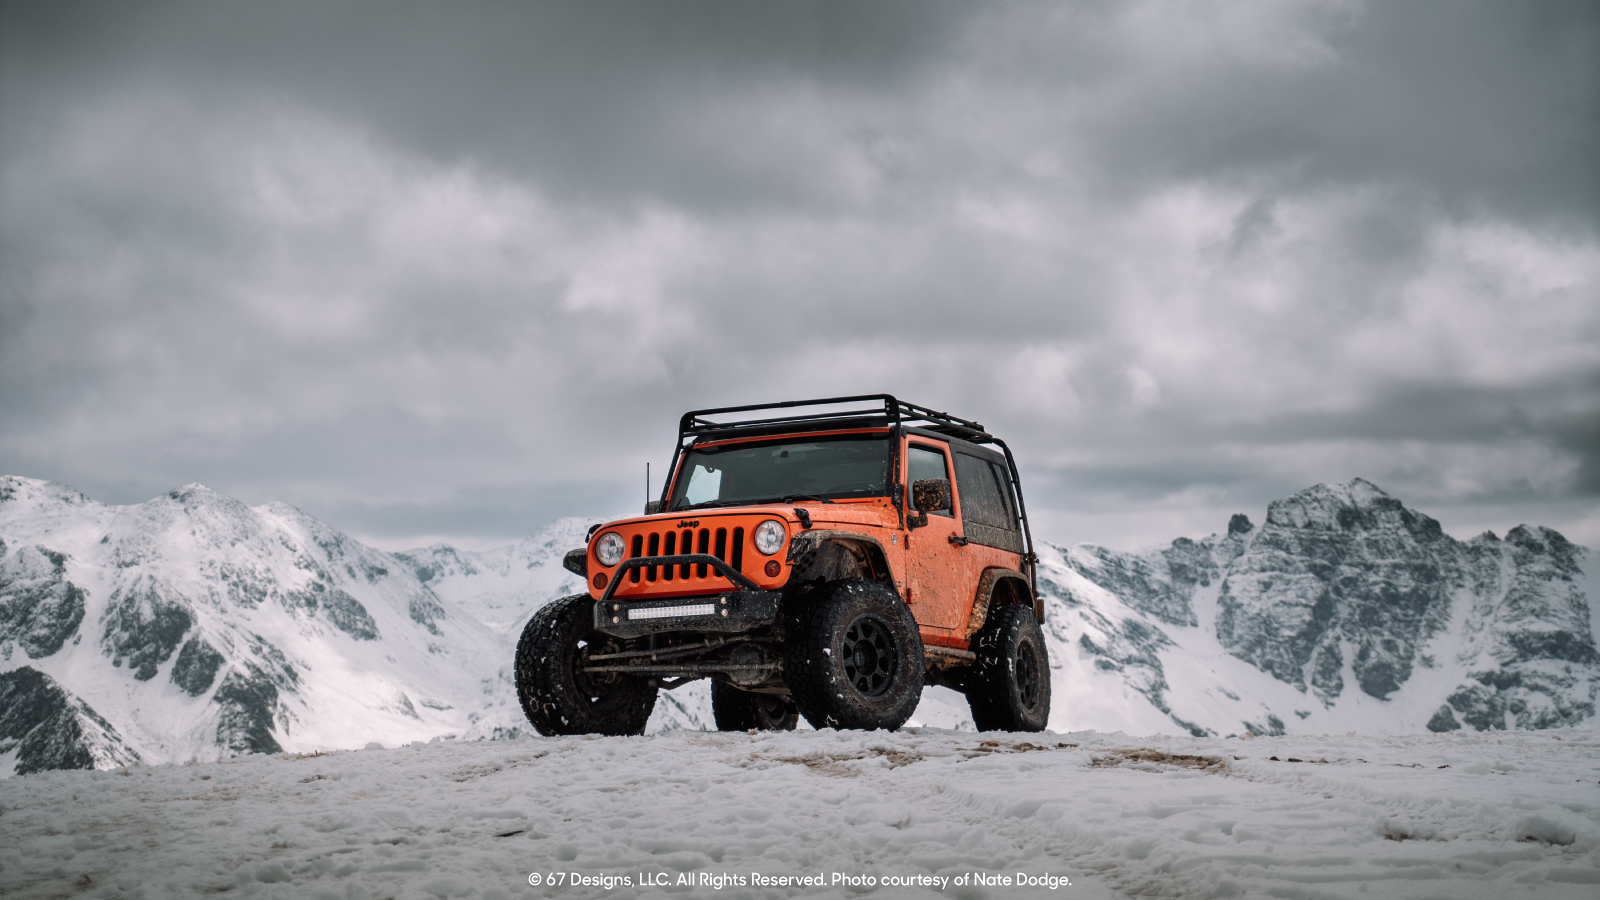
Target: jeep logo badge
{"points": [[689, 523]]}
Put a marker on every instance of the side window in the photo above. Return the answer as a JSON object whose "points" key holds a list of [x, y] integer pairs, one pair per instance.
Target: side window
{"points": [[983, 497], [923, 463]]}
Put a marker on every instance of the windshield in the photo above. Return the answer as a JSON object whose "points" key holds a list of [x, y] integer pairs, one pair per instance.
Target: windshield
{"points": [[788, 469]]}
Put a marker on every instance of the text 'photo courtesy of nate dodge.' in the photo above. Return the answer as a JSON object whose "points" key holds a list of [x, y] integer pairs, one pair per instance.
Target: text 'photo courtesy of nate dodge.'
{"points": [[720, 880], [818, 558]]}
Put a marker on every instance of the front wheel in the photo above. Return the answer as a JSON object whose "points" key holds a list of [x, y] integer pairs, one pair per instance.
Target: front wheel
{"points": [[1009, 688], [737, 710], [557, 696], [857, 659]]}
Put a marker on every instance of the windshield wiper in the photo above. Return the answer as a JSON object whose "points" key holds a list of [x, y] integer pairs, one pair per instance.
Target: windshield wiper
{"points": [[708, 504], [786, 498]]}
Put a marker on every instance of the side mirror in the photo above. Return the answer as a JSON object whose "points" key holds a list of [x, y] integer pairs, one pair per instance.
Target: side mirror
{"points": [[931, 495], [651, 507]]}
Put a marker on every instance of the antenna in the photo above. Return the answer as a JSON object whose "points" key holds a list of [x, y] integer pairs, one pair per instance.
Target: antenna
{"points": [[647, 482]]}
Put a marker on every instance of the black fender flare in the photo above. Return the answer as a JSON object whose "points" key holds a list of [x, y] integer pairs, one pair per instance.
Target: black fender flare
{"points": [[1000, 587], [864, 547]]}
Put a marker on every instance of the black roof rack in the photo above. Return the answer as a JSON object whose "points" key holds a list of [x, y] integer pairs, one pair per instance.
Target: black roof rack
{"points": [[887, 411]]}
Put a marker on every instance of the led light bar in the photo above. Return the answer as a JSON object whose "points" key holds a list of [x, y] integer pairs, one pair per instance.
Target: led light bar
{"points": [[672, 612]]}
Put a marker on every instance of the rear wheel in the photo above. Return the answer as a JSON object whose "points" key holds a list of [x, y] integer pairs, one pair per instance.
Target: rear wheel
{"points": [[737, 710], [557, 696], [1009, 687], [857, 659]]}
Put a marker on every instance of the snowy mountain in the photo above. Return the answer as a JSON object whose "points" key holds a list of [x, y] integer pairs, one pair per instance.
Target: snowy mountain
{"points": [[194, 626], [1344, 611]]}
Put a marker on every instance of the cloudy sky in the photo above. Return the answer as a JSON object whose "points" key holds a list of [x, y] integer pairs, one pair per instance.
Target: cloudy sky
{"points": [[447, 271]]}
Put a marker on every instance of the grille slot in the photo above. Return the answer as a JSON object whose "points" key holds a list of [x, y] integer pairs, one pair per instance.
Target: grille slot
{"points": [[705, 547]]}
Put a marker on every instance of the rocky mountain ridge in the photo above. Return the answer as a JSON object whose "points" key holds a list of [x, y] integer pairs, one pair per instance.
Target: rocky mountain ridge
{"points": [[1349, 597]]}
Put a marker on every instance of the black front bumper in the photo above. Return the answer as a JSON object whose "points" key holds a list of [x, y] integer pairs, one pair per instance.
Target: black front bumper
{"points": [[732, 612]]}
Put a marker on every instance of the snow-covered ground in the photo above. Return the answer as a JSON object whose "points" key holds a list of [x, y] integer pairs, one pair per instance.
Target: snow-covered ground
{"points": [[1461, 815]]}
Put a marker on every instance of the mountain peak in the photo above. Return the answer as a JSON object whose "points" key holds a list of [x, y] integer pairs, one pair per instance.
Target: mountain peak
{"points": [[1356, 505], [195, 495]]}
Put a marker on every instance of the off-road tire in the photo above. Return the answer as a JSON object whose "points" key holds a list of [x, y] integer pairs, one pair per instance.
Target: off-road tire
{"points": [[1009, 686], [737, 710], [855, 660], [559, 699]]}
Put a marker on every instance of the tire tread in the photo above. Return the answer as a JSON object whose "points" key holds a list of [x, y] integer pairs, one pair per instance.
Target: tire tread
{"points": [[991, 691], [546, 700]]}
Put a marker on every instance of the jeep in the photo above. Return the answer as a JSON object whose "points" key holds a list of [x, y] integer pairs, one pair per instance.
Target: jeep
{"points": [[825, 564]]}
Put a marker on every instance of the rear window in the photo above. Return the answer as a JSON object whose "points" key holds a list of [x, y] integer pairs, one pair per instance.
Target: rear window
{"points": [[985, 494]]}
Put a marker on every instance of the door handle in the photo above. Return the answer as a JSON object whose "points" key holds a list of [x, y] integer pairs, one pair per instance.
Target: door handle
{"points": [[959, 541]]}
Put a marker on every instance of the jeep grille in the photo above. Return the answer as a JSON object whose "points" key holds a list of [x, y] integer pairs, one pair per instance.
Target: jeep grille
{"points": [[719, 542]]}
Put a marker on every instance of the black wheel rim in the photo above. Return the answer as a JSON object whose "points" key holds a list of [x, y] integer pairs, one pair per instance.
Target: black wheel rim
{"points": [[870, 656], [1028, 676]]}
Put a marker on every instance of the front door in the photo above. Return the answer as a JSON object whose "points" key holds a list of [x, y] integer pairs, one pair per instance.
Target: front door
{"points": [[938, 597]]}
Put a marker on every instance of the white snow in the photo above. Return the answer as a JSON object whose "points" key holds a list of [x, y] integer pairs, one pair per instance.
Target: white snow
{"points": [[1460, 816]]}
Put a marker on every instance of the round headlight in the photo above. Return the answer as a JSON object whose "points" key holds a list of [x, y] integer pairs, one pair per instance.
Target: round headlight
{"points": [[608, 549], [769, 536]]}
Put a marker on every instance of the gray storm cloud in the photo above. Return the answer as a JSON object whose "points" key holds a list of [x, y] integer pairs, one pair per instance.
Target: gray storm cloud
{"points": [[453, 270]]}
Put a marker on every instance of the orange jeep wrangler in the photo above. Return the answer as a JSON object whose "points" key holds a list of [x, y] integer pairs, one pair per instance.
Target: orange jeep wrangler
{"points": [[825, 564]]}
